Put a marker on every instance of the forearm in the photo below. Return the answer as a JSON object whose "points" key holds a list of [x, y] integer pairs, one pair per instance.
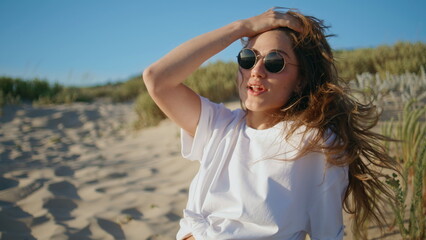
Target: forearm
{"points": [[177, 65], [164, 78]]}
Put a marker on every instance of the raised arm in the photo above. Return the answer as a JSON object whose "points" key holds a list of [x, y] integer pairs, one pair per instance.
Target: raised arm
{"points": [[164, 78]]}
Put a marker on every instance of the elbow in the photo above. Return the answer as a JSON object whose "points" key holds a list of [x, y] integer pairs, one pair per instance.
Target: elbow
{"points": [[156, 81], [149, 77]]}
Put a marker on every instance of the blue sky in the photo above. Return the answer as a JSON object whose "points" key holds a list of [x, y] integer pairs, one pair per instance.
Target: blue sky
{"points": [[88, 42]]}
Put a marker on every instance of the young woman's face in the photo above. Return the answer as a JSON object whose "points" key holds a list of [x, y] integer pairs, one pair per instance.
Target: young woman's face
{"points": [[264, 91]]}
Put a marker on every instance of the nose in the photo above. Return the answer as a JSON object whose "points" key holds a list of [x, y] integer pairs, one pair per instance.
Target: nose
{"points": [[258, 70]]}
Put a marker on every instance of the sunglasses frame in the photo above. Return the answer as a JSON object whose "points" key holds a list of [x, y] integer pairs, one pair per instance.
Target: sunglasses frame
{"points": [[257, 56]]}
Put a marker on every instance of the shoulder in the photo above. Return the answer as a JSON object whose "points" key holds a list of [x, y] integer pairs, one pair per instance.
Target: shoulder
{"points": [[217, 114]]}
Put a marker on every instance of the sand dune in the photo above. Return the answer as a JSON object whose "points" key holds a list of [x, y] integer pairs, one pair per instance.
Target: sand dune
{"points": [[79, 171]]}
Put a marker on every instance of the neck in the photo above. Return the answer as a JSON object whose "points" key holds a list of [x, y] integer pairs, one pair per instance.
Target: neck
{"points": [[260, 120]]}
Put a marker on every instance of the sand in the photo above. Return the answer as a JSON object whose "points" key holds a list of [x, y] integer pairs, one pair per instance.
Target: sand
{"points": [[80, 171]]}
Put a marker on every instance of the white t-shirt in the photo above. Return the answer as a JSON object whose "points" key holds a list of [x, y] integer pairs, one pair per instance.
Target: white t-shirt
{"points": [[245, 189]]}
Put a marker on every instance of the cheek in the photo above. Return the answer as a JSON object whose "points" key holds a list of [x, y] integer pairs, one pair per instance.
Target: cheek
{"points": [[285, 89]]}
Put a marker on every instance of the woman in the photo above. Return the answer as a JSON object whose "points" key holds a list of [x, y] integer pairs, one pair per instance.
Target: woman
{"points": [[282, 167]]}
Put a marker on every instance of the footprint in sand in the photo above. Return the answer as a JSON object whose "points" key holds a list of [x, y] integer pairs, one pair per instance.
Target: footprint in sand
{"points": [[11, 227], [111, 228], [64, 171], [64, 189], [16, 194], [184, 190], [60, 208], [101, 190], [39, 220], [150, 189], [116, 175], [6, 183], [84, 233], [173, 217], [133, 212]]}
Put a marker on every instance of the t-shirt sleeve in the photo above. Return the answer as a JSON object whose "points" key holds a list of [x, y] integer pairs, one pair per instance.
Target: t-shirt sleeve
{"points": [[212, 116], [325, 208]]}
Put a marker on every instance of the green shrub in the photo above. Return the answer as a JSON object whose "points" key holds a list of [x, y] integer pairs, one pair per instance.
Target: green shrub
{"points": [[15, 88], [147, 111], [216, 81], [66, 95], [129, 90]]}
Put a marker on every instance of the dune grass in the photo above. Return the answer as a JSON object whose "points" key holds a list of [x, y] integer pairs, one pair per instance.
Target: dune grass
{"points": [[410, 150], [394, 59], [41, 92]]}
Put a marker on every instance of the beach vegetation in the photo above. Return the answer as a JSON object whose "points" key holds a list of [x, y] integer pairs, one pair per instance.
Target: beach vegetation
{"points": [[410, 188], [41, 92], [404, 95], [394, 59], [37, 91], [149, 114]]}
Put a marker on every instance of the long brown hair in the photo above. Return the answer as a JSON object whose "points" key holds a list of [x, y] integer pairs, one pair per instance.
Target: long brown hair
{"points": [[325, 103]]}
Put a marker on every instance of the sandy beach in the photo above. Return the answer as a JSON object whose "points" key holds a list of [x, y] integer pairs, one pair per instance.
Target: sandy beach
{"points": [[80, 171]]}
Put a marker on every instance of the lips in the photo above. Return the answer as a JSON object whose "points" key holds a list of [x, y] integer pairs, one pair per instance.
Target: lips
{"points": [[255, 89]]}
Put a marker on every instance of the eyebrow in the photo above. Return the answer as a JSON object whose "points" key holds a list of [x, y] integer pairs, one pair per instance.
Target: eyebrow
{"points": [[283, 52], [277, 50]]}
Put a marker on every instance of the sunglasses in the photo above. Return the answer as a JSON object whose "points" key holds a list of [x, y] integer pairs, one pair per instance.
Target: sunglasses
{"points": [[274, 62]]}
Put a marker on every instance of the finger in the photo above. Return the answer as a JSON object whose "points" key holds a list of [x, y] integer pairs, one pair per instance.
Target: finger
{"points": [[287, 20], [294, 24]]}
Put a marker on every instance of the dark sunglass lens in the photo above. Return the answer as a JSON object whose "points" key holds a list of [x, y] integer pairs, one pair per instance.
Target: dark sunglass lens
{"points": [[246, 58], [274, 62]]}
